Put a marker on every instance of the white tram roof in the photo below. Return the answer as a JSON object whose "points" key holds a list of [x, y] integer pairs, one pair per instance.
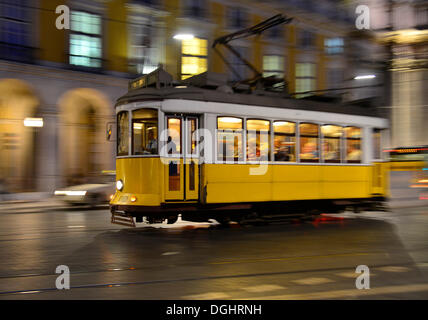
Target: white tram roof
{"points": [[159, 86]]}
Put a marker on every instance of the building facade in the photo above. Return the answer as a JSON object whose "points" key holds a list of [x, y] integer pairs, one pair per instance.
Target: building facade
{"points": [[401, 28], [70, 78]]}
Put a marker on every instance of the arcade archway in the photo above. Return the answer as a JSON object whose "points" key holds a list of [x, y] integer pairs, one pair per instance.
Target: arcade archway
{"points": [[84, 151], [17, 142]]}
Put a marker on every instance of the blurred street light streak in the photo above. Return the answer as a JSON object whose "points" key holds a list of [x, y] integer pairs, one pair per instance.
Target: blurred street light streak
{"points": [[33, 122]]}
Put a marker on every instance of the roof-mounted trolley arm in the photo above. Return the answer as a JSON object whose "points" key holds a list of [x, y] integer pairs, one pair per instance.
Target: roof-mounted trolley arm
{"points": [[254, 30]]}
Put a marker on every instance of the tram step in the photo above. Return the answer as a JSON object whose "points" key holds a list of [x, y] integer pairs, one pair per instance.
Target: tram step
{"points": [[122, 219]]}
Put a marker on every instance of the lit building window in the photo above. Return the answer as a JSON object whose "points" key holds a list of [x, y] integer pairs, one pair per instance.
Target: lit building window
{"points": [[273, 65], [305, 78], [194, 57], [85, 39], [144, 56], [333, 45], [14, 30]]}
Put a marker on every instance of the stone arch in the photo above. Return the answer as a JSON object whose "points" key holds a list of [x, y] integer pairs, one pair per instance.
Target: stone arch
{"points": [[18, 101], [83, 149]]}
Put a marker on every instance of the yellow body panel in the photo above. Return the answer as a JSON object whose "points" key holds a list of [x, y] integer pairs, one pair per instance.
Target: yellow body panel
{"points": [[147, 180], [233, 183], [142, 178]]}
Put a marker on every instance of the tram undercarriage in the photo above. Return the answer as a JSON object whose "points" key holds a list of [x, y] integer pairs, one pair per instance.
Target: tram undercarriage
{"points": [[240, 212]]}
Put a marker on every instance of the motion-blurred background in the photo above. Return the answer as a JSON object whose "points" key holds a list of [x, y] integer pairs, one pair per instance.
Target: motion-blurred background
{"points": [[58, 87]]}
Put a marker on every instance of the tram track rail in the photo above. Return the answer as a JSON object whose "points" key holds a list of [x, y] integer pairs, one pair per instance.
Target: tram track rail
{"points": [[185, 279]]}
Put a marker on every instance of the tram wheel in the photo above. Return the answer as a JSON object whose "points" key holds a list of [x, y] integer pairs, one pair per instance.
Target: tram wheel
{"points": [[172, 219], [224, 221]]}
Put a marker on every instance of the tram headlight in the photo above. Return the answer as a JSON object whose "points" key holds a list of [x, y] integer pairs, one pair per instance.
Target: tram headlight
{"points": [[119, 185]]}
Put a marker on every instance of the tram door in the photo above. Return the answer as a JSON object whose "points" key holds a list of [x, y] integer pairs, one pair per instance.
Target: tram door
{"points": [[182, 170]]}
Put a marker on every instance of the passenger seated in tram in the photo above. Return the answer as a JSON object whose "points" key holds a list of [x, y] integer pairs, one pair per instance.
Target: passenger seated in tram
{"points": [[253, 151], [328, 152], [353, 152], [309, 151], [283, 153]]}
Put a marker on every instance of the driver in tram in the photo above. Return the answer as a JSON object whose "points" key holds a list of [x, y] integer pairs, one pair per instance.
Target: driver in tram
{"points": [[152, 145]]}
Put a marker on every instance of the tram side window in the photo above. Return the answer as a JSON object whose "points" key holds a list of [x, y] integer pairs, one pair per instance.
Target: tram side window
{"points": [[284, 141], [331, 150], [258, 140], [229, 139], [122, 133], [145, 132], [353, 144], [377, 144], [309, 150], [174, 135]]}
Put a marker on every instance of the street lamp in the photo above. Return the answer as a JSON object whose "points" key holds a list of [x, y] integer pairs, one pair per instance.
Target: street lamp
{"points": [[183, 36], [33, 122], [366, 76]]}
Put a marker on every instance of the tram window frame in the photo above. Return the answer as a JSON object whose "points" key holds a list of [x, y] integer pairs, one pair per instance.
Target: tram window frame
{"points": [[377, 152], [180, 150], [347, 139], [258, 159], [340, 144], [119, 131], [192, 136], [153, 122], [315, 160], [293, 135], [240, 157]]}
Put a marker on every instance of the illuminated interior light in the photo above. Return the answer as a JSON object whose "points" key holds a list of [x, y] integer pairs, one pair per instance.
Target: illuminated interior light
{"points": [[230, 120], [282, 123], [33, 122]]}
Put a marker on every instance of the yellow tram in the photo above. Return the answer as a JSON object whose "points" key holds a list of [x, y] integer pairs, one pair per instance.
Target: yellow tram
{"points": [[203, 150]]}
